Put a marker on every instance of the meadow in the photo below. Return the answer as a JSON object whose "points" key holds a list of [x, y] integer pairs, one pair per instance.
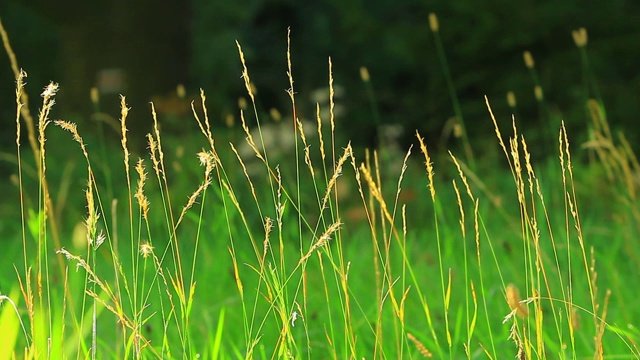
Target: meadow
{"points": [[222, 247]]}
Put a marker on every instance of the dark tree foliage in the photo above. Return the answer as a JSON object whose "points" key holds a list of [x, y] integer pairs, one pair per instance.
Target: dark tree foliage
{"points": [[161, 44], [483, 41]]}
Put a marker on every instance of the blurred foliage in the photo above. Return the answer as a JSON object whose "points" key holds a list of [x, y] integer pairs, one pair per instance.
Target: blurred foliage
{"points": [[483, 41], [145, 40], [33, 33]]}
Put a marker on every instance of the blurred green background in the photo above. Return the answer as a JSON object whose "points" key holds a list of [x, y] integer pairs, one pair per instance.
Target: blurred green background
{"points": [[144, 49]]}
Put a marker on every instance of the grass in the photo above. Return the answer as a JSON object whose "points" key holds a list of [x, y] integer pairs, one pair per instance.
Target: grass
{"points": [[317, 253]]}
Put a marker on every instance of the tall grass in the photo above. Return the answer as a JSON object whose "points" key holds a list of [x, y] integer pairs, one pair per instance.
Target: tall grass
{"points": [[317, 254]]}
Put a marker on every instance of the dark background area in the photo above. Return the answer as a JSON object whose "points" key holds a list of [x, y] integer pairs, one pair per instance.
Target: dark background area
{"points": [[150, 47]]}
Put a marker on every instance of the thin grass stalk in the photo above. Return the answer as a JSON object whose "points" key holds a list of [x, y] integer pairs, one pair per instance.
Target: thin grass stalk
{"points": [[296, 130], [178, 279], [263, 155], [44, 199], [375, 111], [403, 284], [33, 142], [535, 191], [483, 292], [368, 204], [19, 89], [341, 275], [546, 119], [94, 238], [402, 244], [567, 295], [124, 112], [436, 217], [472, 323], [337, 163], [571, 199], [375, 191], [386, 255], [453, 95], [19, 104], [462, 224], [104, 156], [141, 249], [589, 81], [373, 104]]}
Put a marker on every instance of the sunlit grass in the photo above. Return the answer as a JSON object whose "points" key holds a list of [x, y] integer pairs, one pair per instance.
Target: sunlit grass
{"points": [[316, 253]]}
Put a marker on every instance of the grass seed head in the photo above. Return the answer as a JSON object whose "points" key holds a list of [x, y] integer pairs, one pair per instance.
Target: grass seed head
{"points": [[146, 249], [580, 37], [94, 95], [515, 302], [364, 74], [511, 99], [528, 60], [433, 22], [538, 93]]}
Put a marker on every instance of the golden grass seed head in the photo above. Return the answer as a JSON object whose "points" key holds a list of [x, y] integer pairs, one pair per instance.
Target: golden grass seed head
{"points": [[528, 60], [98, 240], [245, 74], [538, 93], [268, 226], [146, 249], [229, 120], [203, 158], [511, 99], [43, 116], [515, 302], [181, 91], [433, 22], [337, 172], [143, 201], [242, 103], [94, 94], [92, 219], [153, 149], [320, 137], [429, 165], [580, 37], [124, 112], [192, 199], [50, 90], [419, 346], [364, 74], [72, 128], [275, 114], [20, 82], [322, 240], [208, 160], [457, 130]]}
